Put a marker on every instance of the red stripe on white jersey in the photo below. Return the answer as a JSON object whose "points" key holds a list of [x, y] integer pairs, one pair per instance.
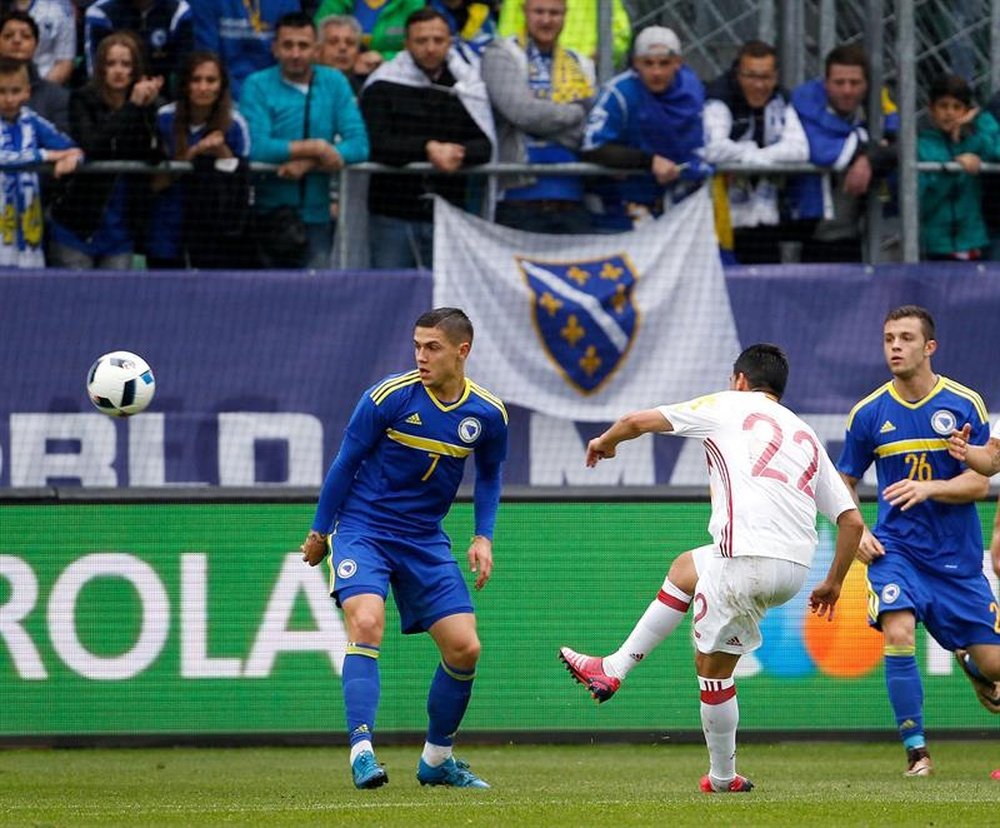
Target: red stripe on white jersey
{"points": [[716, 459]]}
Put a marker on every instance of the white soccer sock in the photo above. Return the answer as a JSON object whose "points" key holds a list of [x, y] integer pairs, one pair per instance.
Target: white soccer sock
{"points": [[658, 621], [360, 747], [720, 715], [435, 755]]}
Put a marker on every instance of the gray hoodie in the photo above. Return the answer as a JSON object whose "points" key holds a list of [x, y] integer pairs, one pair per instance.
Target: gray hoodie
{"points": [[518, 112]]}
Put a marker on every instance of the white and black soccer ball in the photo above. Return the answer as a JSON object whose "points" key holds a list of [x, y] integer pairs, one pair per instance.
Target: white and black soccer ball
{"points": [[120, 384]]}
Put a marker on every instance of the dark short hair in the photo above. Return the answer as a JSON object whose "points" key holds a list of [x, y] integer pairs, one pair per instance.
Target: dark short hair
{"points": [[848, 54], [913, 312], [10, 66], [765, 366], [453, 321], [423, 15], [294, 20], [756, 49], [951, 86], [20, 17]]}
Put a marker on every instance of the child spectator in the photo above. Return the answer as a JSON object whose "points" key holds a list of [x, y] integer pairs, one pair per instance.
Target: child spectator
{"points": [[97, 219], [200, 124], [56, 37], [19, 40], [951, 216], [25, 139]]}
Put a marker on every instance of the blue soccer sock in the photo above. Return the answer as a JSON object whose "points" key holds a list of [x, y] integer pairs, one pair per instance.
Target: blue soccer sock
{"points": [[447, 700], [906, 693], [360, 679]]}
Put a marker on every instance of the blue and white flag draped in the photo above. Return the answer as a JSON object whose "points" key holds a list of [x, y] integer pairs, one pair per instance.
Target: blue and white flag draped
{"points": [[588, 327]]}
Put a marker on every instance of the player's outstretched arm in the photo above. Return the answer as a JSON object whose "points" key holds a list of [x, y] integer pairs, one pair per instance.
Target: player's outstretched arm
{"points": [[824, 597], [626, 428], [983, 459], [966, 487]]}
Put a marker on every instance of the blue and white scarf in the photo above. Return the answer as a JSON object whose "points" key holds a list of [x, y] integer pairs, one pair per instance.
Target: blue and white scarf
{"points": [[21, 220]]}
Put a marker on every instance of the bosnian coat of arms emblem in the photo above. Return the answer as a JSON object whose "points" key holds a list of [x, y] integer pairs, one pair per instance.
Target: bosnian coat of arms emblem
{"points": [[585, 315]]}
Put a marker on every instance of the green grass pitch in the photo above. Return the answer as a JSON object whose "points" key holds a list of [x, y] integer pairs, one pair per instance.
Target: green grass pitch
{"points": [[797, 784]]}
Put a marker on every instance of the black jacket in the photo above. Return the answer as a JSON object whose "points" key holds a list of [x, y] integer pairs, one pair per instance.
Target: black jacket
{"points": [[50, 100], [401, 120], [104, 134]]}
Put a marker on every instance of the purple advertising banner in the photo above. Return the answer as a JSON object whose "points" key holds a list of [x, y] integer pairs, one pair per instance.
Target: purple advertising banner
{"points": [[257, 373]]}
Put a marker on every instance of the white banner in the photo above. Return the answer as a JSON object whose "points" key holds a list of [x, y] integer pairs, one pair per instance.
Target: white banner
{"points": [[589, 327]]}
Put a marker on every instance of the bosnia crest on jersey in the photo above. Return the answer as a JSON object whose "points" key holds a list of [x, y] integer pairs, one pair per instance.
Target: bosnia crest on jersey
{"points": [[585, 315]]}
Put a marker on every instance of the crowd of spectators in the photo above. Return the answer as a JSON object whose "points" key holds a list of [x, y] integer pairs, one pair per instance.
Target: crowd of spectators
{"points": [[313, 86]]}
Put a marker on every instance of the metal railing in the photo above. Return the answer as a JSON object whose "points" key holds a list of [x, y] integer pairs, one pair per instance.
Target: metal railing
{"points": [[909, 207]]}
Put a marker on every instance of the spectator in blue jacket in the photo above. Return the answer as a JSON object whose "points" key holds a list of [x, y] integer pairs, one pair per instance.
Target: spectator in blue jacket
{"points": [[649, 117], [25, 139], [831, 110], [275, 103], [201, 123], [165, 29], [240, 32]]}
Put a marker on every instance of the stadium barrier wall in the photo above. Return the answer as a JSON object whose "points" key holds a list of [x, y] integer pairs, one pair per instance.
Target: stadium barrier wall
{"points": [[258, 372], [193, 619]]}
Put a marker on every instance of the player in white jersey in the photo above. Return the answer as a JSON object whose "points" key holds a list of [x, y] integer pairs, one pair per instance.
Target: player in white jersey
{"points": [[769, 475]]}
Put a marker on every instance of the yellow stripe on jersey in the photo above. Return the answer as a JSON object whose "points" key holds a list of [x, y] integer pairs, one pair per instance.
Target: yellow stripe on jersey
{"points": [[878, 392], [970, 395], [425, 444], [382, 391], [904, 446], [329, 565], [450, 406], [937, 389], [872, 598], [490, 398]]}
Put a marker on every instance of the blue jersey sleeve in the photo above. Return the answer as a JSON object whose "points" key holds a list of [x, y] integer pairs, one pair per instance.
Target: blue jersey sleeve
{"points": [[859, 448], [49, 136], [980, 433], [363, 431], [486, 497], [606, 122]]}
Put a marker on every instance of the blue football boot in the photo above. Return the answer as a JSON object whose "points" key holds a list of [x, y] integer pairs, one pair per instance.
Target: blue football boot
{"points": [[452, 772], [367, 772]]}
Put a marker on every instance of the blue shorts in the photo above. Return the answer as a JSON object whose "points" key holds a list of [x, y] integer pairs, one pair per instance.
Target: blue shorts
{"points": [[426, 582], [957, 611]]}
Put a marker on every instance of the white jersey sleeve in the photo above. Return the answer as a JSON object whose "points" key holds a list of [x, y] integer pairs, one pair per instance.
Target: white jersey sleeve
{"points": [[695, 418], [995, 432], [833, 498]]}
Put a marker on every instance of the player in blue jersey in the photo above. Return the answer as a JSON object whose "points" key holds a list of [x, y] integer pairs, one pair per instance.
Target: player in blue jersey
{"points": [[925, 553], [380, 511]]}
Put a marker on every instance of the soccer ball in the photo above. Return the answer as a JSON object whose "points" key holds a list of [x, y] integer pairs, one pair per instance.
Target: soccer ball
{"points": [[120, 384]]}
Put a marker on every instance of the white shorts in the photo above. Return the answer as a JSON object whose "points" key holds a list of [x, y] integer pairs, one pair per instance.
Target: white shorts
{"points": [[733, 594]]}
